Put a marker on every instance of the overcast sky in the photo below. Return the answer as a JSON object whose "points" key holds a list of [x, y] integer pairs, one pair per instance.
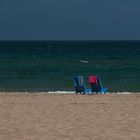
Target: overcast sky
{"points": [[69, 19]]}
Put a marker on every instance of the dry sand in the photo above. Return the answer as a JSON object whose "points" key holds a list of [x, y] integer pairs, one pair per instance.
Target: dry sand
{"points": [[69, 117]]}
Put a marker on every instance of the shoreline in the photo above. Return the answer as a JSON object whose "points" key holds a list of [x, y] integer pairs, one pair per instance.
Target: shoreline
{"points": [[63, 92]]}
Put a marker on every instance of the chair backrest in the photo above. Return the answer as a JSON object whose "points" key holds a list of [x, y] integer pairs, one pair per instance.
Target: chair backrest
{"points": [[99, 83], [95, 83], [92, 79], [79, 84]]}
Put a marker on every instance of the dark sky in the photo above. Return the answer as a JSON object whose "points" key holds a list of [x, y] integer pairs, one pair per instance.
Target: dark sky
{"points": [[69, 19]]}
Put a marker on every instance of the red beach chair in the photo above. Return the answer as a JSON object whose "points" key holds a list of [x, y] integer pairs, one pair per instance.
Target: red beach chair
{"points": [[96, 85]]}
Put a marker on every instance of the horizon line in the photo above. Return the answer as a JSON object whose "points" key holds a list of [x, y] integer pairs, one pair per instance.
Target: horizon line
{"points": [[43, 40]]}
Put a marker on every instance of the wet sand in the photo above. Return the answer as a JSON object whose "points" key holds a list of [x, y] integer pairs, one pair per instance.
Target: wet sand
{"points": [[69, 117]]}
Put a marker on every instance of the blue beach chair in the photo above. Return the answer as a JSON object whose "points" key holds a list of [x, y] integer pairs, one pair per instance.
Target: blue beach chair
{"points": [[96, 85], [80, 85]]}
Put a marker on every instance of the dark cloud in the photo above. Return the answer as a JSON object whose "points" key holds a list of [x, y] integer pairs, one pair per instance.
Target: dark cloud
{"points": [[75, 19]]}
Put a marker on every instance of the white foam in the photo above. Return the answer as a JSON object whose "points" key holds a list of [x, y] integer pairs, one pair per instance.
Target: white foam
{"points": [[73, 92], [61, 92], [122, 93], [83, 61]]}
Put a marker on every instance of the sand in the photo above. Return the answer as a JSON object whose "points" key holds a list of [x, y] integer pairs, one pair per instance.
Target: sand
{"points": [[69, 117]]}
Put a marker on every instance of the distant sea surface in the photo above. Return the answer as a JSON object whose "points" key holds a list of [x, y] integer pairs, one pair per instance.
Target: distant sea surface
{"points": [[36, 66]]}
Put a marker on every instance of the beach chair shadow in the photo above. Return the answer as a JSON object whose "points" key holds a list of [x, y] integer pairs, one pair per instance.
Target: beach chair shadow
{"points": [[80, 85], [96, 85]]}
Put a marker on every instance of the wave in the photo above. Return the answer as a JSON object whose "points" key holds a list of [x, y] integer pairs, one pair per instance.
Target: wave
{"points": [[61, 92], [65, 92], [73, 92]]}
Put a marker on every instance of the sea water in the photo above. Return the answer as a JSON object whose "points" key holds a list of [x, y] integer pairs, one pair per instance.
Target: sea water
{"points": [[39, 66]]}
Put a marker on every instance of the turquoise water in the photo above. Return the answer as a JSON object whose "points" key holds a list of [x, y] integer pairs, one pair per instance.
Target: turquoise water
{"points": [[49, 65]]}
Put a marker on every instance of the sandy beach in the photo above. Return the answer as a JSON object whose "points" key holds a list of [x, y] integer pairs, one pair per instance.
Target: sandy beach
{"points": [[42, 116]]}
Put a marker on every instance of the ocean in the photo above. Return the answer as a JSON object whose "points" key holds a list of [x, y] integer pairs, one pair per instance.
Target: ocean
{"points": [[40, 66]]}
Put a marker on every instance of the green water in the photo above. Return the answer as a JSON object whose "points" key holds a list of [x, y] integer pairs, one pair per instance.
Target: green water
{"points": [[50, 65]]}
